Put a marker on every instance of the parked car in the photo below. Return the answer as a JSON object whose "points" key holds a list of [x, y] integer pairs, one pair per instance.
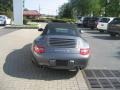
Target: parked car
{"points": [[4, 20], [103, 23], [61, 46], [86, 22], [79, 21], [114, 27], [89, 22], [92, 22], [82, 21]]}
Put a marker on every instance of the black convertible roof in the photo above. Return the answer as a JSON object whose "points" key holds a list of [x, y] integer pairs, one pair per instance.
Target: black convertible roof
{"points": [[62, 25]]}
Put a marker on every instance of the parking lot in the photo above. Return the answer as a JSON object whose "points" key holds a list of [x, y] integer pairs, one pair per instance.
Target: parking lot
{"points": [[1, 27], [18, 73], [105, 50]]}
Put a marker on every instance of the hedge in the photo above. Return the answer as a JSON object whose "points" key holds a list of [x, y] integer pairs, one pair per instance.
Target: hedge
{"points": [[53, 20]]}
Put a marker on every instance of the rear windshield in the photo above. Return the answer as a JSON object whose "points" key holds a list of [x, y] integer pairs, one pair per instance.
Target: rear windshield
{"points": [[86, 19], [94, 19], [79, 17], [1, 17], [105, 20], [62, 30], [116, 21]]}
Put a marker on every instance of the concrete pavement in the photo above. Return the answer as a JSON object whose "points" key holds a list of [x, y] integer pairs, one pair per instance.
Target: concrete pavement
{"points": [[105, 50], [4, 31], [1, 27], [18, 73]]}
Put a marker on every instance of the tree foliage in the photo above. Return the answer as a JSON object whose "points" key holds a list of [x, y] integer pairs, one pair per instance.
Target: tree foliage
{"points": [[81, 6], [6, 7], [92, 7], [66, 11], [113, 8]]}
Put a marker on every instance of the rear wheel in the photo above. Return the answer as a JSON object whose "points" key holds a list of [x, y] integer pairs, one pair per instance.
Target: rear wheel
{"points": [[35, 62], [113, 35], [4, 24], [82, 68], [85, 26], [91, 28], [101, 31]]}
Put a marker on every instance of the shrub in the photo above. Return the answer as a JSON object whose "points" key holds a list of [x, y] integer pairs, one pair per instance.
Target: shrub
{"points": [[40, 20], [25, 21], [63, 20]]}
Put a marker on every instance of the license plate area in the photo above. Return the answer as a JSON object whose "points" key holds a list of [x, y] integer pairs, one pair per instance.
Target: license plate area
{"points": [[102, 24], [61, 62]]}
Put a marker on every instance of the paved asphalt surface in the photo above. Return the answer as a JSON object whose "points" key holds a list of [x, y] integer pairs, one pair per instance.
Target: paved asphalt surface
{"points": [[105, 50], [18, 73], [4, 31], [1, 27]]}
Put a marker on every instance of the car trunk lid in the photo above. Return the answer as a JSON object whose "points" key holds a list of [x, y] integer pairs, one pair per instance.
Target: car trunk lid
{"points": [[62, 44]]}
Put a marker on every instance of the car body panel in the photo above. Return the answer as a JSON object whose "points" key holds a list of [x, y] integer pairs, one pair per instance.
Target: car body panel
{"points": [[61, 48], [93, 22], [114, 27], [104, 25], [80, 20], [89, 22]]}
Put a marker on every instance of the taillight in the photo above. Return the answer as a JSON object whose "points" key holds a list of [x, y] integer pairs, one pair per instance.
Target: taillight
{"points": [[38, 49], [85, 51]]}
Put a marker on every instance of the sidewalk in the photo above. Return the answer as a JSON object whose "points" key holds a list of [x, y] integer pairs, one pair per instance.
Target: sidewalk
{"points": [[18, 73]]}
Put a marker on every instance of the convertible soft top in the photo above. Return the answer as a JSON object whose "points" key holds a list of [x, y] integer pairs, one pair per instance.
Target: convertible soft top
{"points": [[62, 25]]}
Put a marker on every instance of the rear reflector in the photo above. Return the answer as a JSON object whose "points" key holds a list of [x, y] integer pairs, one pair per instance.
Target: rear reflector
{"points": [[38, 49], [85, 51]]}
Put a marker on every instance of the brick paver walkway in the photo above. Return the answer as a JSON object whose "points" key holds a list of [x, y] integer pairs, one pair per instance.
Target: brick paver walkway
{"points": [[18, 73]]}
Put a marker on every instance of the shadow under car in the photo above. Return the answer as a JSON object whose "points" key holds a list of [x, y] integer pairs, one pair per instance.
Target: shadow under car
{"points": [[106, 37], [18, 64]]}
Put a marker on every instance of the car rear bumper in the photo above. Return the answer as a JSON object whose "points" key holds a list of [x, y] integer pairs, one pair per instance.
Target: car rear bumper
{"points": [[1, 23], [61, 63], [101, 28]]}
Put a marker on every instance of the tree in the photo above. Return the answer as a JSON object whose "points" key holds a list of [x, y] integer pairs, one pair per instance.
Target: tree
{"points": [[113, 8], [93, 7], [65, 11], [81, 6], [6, 7]]}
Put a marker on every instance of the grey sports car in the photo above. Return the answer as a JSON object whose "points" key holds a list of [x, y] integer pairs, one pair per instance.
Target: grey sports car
{"points": [[61, 46]]}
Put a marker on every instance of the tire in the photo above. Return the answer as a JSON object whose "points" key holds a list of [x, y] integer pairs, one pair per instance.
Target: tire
{"points": [[82, 68], [92, 28], [35, 62], [85, 26], [101, 31], [4, 24], [113, 35]]}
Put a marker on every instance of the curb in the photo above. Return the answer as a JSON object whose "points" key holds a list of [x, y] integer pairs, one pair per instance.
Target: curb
{"points": [[20, 27], [86, 81]]}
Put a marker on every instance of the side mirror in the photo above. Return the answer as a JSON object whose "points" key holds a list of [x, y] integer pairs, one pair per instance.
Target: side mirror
{"points": [[40, 29]]}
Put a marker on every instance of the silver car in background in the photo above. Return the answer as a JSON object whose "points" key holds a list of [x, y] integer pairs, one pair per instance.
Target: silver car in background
{"points": [[4, 20], [61, 46]]}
